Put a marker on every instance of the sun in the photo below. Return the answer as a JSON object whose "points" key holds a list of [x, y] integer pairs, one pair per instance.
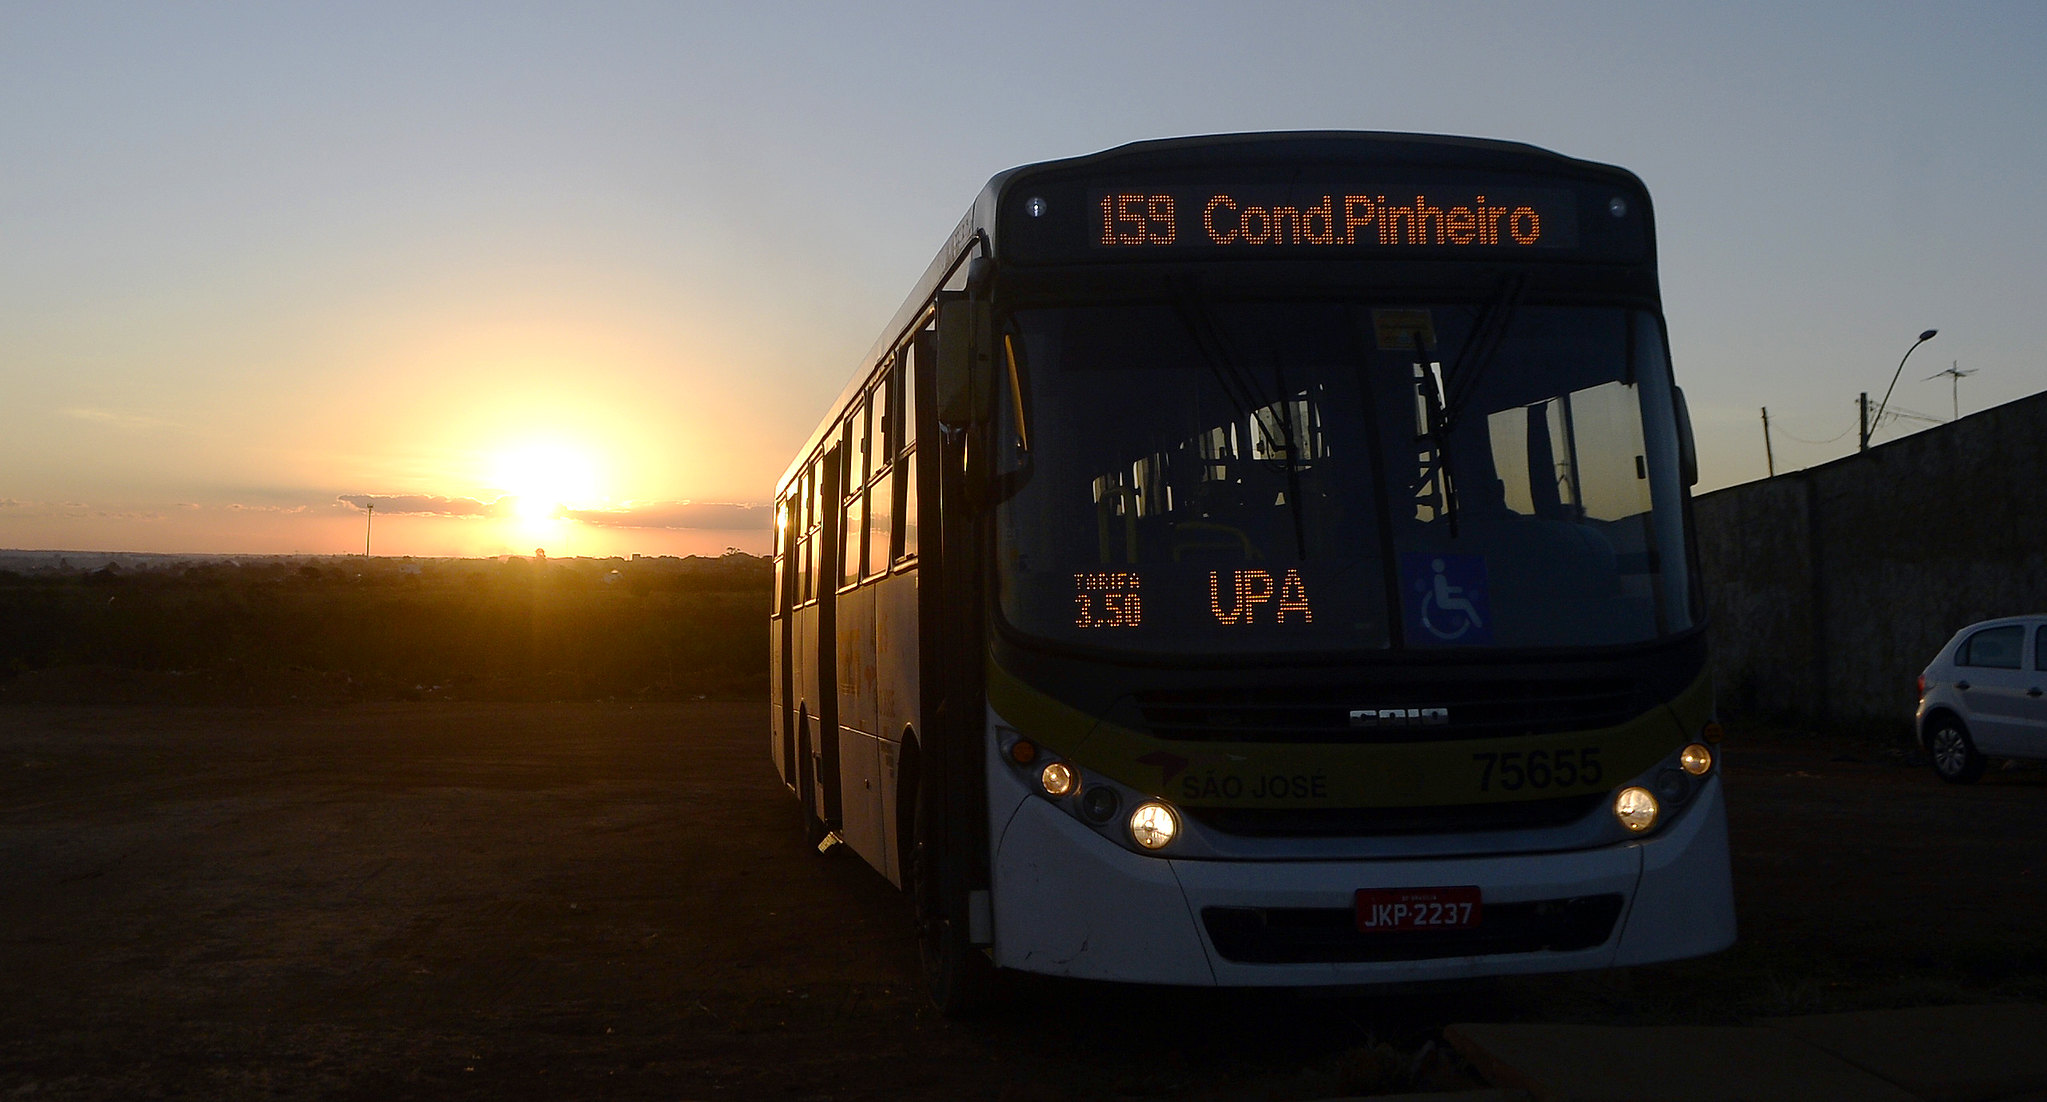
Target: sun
{"points": [[544, 477]]}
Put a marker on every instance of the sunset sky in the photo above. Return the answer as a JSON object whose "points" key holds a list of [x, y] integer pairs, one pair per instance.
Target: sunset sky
{"points": [[484, 263]]}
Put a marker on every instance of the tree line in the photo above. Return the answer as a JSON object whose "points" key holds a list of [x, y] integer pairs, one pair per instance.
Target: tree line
{"points": [[336, 629]]}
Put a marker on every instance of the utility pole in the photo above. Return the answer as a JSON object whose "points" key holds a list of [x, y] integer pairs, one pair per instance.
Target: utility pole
{"points": [[369, 514], [1862, 405], [1769, 456]]}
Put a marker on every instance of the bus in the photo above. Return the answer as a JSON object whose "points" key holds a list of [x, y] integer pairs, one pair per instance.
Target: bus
{"points": [[1265, 560]]}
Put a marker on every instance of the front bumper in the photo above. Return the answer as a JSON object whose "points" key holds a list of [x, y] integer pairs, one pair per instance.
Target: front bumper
{"points": [[1067, 902]]}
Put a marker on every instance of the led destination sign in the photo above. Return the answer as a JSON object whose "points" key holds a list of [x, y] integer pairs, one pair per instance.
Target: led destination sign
{"points": [[1115, 599], [1269, 218]]}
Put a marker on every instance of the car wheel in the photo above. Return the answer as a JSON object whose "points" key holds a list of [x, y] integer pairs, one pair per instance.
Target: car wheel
{"points": [[1954, 755]]}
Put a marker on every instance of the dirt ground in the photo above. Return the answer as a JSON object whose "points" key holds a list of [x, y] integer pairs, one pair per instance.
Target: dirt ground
{"points": [[613, 901]]}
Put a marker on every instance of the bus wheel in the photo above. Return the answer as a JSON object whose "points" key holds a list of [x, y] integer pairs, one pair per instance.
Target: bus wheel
{"points": [[959, 977], [1954, 754]]}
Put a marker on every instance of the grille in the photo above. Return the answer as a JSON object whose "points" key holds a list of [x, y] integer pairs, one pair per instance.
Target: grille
{"points": [[1263, 822], [1253, 935], [1322, 714]]}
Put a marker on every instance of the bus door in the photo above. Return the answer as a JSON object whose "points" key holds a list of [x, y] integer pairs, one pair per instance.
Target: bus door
{"points": [[789, 530], [823, 755]]}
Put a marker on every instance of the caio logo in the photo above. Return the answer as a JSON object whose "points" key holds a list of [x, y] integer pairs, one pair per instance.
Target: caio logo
{"points": [[1399, 717]]}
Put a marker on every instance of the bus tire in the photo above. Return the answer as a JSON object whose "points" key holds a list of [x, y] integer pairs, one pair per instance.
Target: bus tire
{"points": [[960, 979], [1954, 754]]}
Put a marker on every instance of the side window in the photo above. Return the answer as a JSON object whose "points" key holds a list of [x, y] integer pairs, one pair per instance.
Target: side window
{"points": [[911, 365], [890, 395], [863, 460], [781, 554], [847, 515], [879, 507], [1993, 648], [2040, 649], [812, 552]]}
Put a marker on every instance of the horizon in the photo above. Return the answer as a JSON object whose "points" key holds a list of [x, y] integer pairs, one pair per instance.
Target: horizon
{"points": [[586, 281], [12, 555]]}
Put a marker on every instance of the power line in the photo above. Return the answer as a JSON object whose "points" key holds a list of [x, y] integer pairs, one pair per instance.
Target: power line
{"points": [[1803, 440], [1898, 412]]}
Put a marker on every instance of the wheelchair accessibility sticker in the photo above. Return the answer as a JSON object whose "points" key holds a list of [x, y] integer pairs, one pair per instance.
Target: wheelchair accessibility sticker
{"points": [[1446, 598]]}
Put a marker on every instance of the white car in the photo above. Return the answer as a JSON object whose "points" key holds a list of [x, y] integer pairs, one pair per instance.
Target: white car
{"points": [[1982, 697]]}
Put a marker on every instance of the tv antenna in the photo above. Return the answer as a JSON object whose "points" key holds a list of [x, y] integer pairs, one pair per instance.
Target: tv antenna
{"points": [[1954, 374]]}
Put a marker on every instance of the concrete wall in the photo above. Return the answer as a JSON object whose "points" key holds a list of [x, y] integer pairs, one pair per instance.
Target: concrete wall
{"points": [[1830, 588]]}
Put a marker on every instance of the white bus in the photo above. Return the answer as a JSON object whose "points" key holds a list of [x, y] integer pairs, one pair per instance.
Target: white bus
{"points": [[1265, 560]]}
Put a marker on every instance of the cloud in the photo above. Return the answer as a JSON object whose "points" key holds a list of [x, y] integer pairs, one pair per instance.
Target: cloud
{"points": [[678, 514], [712, 516], [117, 420], [44, 510], [431, 505]]}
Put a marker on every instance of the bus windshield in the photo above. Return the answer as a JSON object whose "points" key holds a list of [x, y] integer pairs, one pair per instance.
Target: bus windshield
{"points": [[1216, 477]]}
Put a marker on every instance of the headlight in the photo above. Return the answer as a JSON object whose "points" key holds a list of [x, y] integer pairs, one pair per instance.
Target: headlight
{"points": [[1672, 786], [1153, 825], [1635, 808], [1696, 759], [1058, 778]]}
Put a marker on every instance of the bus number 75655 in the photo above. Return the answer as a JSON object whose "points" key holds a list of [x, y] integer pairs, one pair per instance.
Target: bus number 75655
{"points": [[1516, 769]]}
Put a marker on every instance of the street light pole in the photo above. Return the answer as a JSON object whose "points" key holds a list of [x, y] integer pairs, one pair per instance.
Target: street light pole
{"points": [[1870, 426]]}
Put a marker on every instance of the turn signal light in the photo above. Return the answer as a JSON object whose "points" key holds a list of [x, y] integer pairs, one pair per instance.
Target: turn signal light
{"points": [[1058, 778]]}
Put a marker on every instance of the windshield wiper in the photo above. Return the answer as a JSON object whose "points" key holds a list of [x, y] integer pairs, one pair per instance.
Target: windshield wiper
{"points": [[1446, 392], [1478, 350]]}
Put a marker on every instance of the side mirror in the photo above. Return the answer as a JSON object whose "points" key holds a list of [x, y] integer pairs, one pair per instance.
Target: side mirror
{"points": [[964, 382], [1687, 448]]}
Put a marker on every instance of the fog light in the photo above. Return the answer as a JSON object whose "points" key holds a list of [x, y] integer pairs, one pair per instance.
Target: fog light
{"points": [[1672, 787], [1058, 778], [1098, 803], [1635, 808], [1153, 825], [1696, 759]]}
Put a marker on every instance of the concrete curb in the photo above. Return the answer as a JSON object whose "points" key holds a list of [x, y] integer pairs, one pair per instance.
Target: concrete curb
{"points": [[1939, 1053], [1994, 1053]]}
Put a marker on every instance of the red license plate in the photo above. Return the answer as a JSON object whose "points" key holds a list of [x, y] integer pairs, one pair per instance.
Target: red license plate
{"points": [[1389, 910]]}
